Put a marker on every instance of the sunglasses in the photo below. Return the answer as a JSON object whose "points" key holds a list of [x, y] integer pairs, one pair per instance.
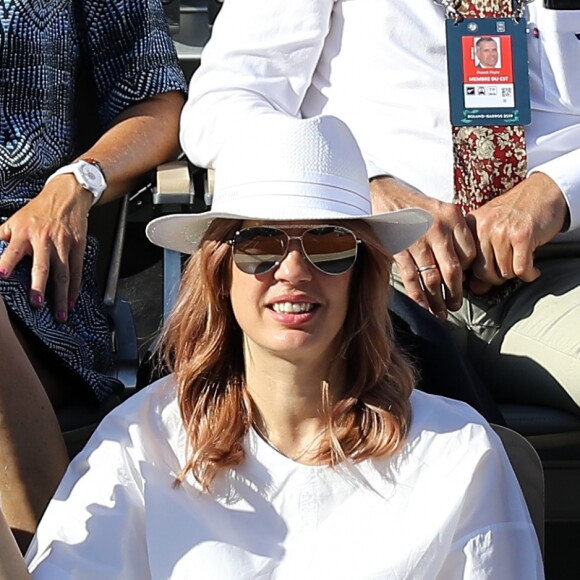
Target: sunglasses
{"points": [[330, 249]]}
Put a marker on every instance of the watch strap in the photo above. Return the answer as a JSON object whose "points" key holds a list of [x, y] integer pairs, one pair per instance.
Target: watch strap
{"points": [[72, 168]]}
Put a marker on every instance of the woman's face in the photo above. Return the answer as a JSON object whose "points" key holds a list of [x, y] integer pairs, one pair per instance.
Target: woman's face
{"points": [[293, 310]]}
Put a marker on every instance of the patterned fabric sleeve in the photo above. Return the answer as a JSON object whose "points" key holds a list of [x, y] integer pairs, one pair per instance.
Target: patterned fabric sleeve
{"points": [[131, 52]]}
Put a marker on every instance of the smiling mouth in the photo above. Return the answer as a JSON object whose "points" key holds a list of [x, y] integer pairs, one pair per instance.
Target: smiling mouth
{"points": [[293, 307]]}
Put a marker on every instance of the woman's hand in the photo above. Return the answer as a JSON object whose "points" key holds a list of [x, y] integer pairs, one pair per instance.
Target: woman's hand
{"points": [[52, 229]]}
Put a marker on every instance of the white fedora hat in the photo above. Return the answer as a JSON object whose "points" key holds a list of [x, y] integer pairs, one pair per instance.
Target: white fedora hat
{"points": [[287, 169]]}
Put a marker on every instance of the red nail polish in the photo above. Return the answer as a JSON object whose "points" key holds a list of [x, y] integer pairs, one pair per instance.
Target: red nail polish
{"points": [[61, 316], [3, 272]]}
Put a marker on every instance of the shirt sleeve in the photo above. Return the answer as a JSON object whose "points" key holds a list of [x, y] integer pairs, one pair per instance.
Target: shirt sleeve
{"points": [[131, 52], [261, 57], [94, 526], [565, 171], [494, 536], [554, 133]]}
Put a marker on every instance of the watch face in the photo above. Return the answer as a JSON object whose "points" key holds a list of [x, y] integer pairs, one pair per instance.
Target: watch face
{"points": [[90, 173], [93, 177]]}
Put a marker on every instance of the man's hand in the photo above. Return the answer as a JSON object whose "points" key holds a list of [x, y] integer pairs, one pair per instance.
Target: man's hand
{"points": [[449, 245], [511, 227], [52, 229]]}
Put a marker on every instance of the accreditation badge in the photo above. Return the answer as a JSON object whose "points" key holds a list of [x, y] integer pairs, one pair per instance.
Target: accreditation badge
{"points": [[487, 64]]}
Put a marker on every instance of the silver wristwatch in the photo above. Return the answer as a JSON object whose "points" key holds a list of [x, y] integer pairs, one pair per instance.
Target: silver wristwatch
{"points": [[88, 173]]}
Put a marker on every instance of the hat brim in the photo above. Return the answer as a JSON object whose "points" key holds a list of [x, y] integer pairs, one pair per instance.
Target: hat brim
{"points": [[183, 233]]}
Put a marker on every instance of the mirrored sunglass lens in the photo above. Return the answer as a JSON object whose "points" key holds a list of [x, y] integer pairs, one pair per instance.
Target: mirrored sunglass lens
{"points": [[331, 249], [257, 250]]}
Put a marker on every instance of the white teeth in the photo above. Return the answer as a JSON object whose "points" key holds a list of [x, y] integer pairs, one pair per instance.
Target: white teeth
{"points": [[292, 307]]}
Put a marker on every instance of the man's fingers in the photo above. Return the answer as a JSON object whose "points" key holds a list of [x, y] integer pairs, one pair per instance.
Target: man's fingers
{"points": [[504, 263], [432, 283], [409, 276], [523, 264], [465, 245], [498, 263], [485, 266], [452, 279], [422, 278], [449, 275]]}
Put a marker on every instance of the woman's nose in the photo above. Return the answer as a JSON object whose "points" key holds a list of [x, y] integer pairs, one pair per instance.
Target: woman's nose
{"points": [[294, 266]]}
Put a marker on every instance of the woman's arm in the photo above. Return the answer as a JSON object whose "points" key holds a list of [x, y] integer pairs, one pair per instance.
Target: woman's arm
{"points": [[12, 566], [52, 228], [494, 536], [142, 137]]}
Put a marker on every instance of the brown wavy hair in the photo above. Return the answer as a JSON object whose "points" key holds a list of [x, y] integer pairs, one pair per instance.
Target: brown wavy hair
{"points": [[201, 344]]}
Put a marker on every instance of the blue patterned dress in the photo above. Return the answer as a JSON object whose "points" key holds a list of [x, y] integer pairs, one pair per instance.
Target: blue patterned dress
{"points": [[130, 53]]}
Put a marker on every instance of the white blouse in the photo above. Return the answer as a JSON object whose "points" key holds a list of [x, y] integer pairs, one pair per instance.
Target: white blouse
{"points": [[447, 507]]}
